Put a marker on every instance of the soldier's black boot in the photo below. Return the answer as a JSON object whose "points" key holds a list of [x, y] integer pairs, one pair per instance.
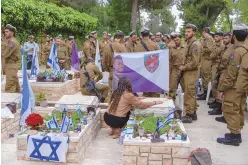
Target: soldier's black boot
{"points": [[221, 119], [215, 105], [231, 139], [187, 118], [203, 96], [216, 111], [194, 116], [239, 136]]}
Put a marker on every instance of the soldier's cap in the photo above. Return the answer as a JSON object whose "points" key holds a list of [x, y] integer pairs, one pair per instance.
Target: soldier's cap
{"points": [[10, 27], [109, 35], [219, 33], [227, 34], [240, 27], [93, 32], [71, 37], [144, 29], [206, 29], [158, 34], [189, 25], [31, 37], [132, 33], [119, 33]]}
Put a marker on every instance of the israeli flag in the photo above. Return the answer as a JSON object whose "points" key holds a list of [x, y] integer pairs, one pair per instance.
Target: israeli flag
{"points": [[52, 123], [65, 124], [53, 59], [35, 68], [98, 58], [78, 109], [27, 97]]}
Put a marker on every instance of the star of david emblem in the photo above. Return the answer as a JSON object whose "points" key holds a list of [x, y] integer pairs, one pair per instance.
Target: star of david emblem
{"points": [[53, 144]]}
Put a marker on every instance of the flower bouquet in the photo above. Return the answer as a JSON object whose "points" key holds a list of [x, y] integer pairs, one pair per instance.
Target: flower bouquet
{"points": [[34, 120]]}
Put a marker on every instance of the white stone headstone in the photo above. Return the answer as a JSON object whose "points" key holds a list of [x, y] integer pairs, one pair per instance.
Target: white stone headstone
{"points": [[7, 98]]}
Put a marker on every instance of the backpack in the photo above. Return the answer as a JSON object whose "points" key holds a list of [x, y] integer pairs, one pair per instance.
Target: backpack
{"points": [[200, 156]]}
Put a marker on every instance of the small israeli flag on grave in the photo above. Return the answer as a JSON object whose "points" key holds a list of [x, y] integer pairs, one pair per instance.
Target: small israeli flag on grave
{"points": [[65, 124], [78, 109], [52, 123]]}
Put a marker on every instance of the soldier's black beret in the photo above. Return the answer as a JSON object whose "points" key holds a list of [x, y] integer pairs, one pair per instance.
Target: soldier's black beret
{"points": [[240, 27], [144, 29], [119, 33], [10, 27]]}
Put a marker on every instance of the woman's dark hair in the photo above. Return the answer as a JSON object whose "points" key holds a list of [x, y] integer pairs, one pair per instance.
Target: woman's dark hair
{"points": [[124, 84]]}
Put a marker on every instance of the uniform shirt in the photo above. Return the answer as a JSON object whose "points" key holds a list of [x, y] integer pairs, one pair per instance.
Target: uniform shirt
{"points": [[242, 80], [47, 48], [88, 49], [171, 44], [193, 53], [12, 52], [62, 52], [108, 55], [216, 54], [208, 47], [132, 46], [28, 45], [177, 55], [102, 45], [93, 71], [149, 44], [4, 44], [127, 101], [234, 62]]}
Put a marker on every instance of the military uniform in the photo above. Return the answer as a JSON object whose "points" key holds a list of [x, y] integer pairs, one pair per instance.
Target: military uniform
{"points": [[102, 45], [108, 58], [208, 47], [215, 58], [62, 53], [96, 75], [4, 44], [12, 56], [69, 50], [176, 56], [234, 87], [150, 45], [89, 49]]}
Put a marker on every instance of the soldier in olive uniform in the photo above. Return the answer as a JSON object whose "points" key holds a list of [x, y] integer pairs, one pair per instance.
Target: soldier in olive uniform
{"points": [[94, 75], [215, 58], [62, 53], [69, 49], [208, 47], [108, 54], [189, 70], [176, 56], [104, 42], [222, 69], [4, 44], [132, 43], [235, 88], [12, 55], [88, 48], [47, 49]]}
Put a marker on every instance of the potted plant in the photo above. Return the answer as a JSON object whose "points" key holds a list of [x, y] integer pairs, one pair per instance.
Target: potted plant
{"points": [[41, 99], [34, 120]]}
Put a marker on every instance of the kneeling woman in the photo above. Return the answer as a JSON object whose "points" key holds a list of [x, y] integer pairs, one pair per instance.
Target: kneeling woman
{"points": [[121, 103]]}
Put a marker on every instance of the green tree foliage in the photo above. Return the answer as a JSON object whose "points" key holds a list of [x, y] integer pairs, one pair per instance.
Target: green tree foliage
{"points": [[37, 17], [202, 13]]}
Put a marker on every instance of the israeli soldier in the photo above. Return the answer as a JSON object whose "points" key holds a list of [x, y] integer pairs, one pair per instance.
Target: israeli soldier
{"points": [[208, 47], [12, 55], [47, 49], [4, 44], [108, 54], [189, 73], [104, 42], [69, 49], [62, 53], [171, 42], [132, 43], [88, 48], [222, 69], [94, 75], [176, 56], [215, 59], [234, 88]]}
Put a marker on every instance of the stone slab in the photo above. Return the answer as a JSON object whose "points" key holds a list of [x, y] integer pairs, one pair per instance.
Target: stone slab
{"points": [[7, 98]]}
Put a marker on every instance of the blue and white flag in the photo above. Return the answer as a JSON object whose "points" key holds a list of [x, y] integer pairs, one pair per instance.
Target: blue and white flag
{"points": [[78, 109], [35, 68], [53, 59], [98, 58], [27, 97], [147, 71], [66, 123], [52, 123], [234, 1]]}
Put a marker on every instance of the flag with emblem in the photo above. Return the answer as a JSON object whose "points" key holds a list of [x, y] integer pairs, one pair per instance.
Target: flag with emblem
{"points": [[98, 58], [147, 71], [35, 68], [53, 58], [52, 123]]}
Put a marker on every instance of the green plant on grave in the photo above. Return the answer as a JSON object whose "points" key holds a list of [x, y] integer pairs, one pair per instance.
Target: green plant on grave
{"points": [[40, 97]]}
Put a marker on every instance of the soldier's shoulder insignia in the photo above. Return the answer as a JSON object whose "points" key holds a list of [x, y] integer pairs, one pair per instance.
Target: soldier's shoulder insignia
{"points": [[11, 43], [195, 48]]}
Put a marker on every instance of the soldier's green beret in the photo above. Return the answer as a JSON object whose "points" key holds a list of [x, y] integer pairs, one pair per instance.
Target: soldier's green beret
{"points": [[132, 33], [240, 27], [93, 32], [144, 29], [10, 27]]}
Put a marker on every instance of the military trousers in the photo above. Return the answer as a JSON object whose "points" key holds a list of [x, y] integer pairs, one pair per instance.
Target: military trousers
{"points": [[12, 82], [214, 69], [189, 84], [205, 72], [174, 73], [3, 64], [102, 88]]}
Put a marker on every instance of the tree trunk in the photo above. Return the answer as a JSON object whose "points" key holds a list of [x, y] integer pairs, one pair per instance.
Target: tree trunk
{"points": [[134, 14]]}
